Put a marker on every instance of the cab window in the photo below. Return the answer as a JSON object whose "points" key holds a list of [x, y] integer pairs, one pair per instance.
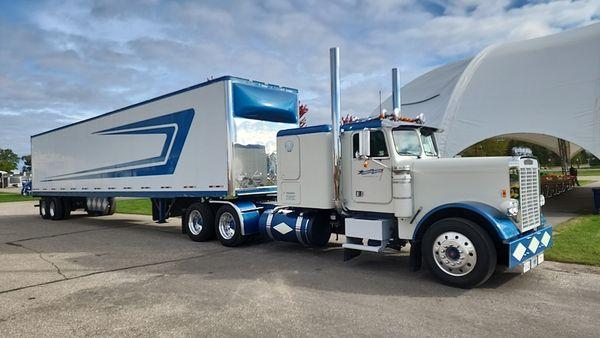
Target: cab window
{"points": [[378, 147]]}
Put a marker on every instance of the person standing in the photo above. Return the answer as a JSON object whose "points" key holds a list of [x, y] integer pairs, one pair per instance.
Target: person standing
{"points": [[573, 173]]}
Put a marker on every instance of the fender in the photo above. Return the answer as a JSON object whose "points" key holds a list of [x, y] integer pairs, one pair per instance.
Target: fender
{"points": [[248, 213], [497, 223]]}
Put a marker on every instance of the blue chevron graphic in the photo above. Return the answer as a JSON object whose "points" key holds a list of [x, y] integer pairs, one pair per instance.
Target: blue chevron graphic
{"points": [[174, 126]]}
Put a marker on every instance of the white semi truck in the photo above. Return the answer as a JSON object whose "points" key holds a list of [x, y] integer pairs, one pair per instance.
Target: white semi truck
{"points": [[228, 157]]}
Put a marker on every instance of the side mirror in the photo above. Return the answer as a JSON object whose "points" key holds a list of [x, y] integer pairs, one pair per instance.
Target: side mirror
{"points": [[364, 144]]}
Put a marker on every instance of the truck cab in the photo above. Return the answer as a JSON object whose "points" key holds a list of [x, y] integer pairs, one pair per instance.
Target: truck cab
{"points": [[462, 216]]}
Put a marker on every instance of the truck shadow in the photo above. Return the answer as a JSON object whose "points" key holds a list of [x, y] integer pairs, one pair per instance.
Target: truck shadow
{"points": [[135, 246]]}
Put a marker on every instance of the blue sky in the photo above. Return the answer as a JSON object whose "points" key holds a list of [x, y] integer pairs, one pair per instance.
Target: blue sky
{"points": [[63, 61]]}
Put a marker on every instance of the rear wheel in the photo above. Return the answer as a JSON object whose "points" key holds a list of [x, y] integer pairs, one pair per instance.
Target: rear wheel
{"points": [[199, 222], [459, 252], [56, 209], [229, 227], [44, 208], [112, 206]]}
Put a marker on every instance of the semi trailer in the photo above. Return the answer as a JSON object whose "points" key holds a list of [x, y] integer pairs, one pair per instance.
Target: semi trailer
{"points": [[228, 157]]}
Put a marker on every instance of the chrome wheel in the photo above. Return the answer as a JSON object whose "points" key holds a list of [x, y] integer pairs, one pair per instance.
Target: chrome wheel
{"points": [[43, 208], [195, 222], [454, 253], [52, 209], [227, 225]]}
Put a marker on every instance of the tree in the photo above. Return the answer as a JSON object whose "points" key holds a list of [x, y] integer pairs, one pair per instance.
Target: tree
{"points": [[8, 160]]}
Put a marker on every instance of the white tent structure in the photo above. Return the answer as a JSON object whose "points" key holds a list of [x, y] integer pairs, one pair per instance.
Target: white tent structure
{"points": [[535, 90]]}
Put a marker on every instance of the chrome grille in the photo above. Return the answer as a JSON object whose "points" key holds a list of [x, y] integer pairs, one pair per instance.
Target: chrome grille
{"points": [[529, 197]]}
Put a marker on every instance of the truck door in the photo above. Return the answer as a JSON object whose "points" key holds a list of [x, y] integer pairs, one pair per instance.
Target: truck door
{"points": [[372, 177]]}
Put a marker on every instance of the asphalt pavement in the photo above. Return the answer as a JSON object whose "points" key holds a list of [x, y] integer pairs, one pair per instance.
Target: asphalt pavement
{"points": [[124, 275]]}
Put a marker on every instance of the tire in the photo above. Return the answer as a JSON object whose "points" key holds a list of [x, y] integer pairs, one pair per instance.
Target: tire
{"points": [[459, 252], [44, 208], [199, 222], [228, 227], [112, 206], [56, 209]]}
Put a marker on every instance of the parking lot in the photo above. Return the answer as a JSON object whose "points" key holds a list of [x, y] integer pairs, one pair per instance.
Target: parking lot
{"points": [[124, 275]]}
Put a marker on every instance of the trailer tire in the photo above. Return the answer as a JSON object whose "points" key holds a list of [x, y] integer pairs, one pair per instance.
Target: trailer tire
{"points": [[199, 222], [228, 227], [459, 252], [44, 208], [112, 208], [56, 209]]}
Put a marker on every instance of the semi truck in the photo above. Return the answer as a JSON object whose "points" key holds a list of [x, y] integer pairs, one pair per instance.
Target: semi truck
{"points": [[229, 158]]}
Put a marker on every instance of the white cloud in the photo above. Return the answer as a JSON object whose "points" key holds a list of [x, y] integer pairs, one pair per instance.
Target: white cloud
{"points": [[61, 61]]}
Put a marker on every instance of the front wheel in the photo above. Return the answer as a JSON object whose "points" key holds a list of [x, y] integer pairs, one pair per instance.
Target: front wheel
{"points": [[229, 227], [459, 252]]}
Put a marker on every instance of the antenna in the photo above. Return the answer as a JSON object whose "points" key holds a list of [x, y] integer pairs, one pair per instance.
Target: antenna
{"points": [[380, 111]]}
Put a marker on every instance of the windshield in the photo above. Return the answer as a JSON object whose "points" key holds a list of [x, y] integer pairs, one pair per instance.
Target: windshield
{"points": [[407, 142], [428, 143]]}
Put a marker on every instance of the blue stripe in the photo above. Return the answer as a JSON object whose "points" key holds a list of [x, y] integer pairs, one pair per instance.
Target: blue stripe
{"points": [[376, 123], [259, 190], [203, 84], [323, 128], [183, 119], [168, 131], [148, 194]]}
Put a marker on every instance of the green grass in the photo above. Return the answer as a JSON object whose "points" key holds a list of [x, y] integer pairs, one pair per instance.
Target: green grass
{"points": [[576, 241], [12, 197], [585, 182], [135, 206]]}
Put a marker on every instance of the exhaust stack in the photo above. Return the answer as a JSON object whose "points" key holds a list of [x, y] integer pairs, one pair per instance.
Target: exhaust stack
{"points": [[334, 65], [396, 100]]}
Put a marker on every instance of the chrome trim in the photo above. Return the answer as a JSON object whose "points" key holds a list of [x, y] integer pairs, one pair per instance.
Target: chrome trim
{"points": [[268, 225], [299, 229], [396, 99], [230, 137], [334, 64]]}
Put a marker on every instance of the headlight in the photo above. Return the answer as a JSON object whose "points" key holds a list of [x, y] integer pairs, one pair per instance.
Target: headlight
{"points": [[511, 206], [542, 200]]}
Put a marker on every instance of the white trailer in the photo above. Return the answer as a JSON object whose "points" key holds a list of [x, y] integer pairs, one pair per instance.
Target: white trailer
{"points": [[209, 153]]}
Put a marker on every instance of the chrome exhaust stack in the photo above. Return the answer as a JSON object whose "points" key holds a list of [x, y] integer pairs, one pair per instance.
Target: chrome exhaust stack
{"points": [[334, 65], [396, 99]]}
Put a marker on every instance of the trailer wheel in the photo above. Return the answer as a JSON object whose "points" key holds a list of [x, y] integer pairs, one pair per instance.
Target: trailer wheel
{"points": [[56, 209], [44, 208], [459, 252], [112, 206], [199, 222], [229, 227]]}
